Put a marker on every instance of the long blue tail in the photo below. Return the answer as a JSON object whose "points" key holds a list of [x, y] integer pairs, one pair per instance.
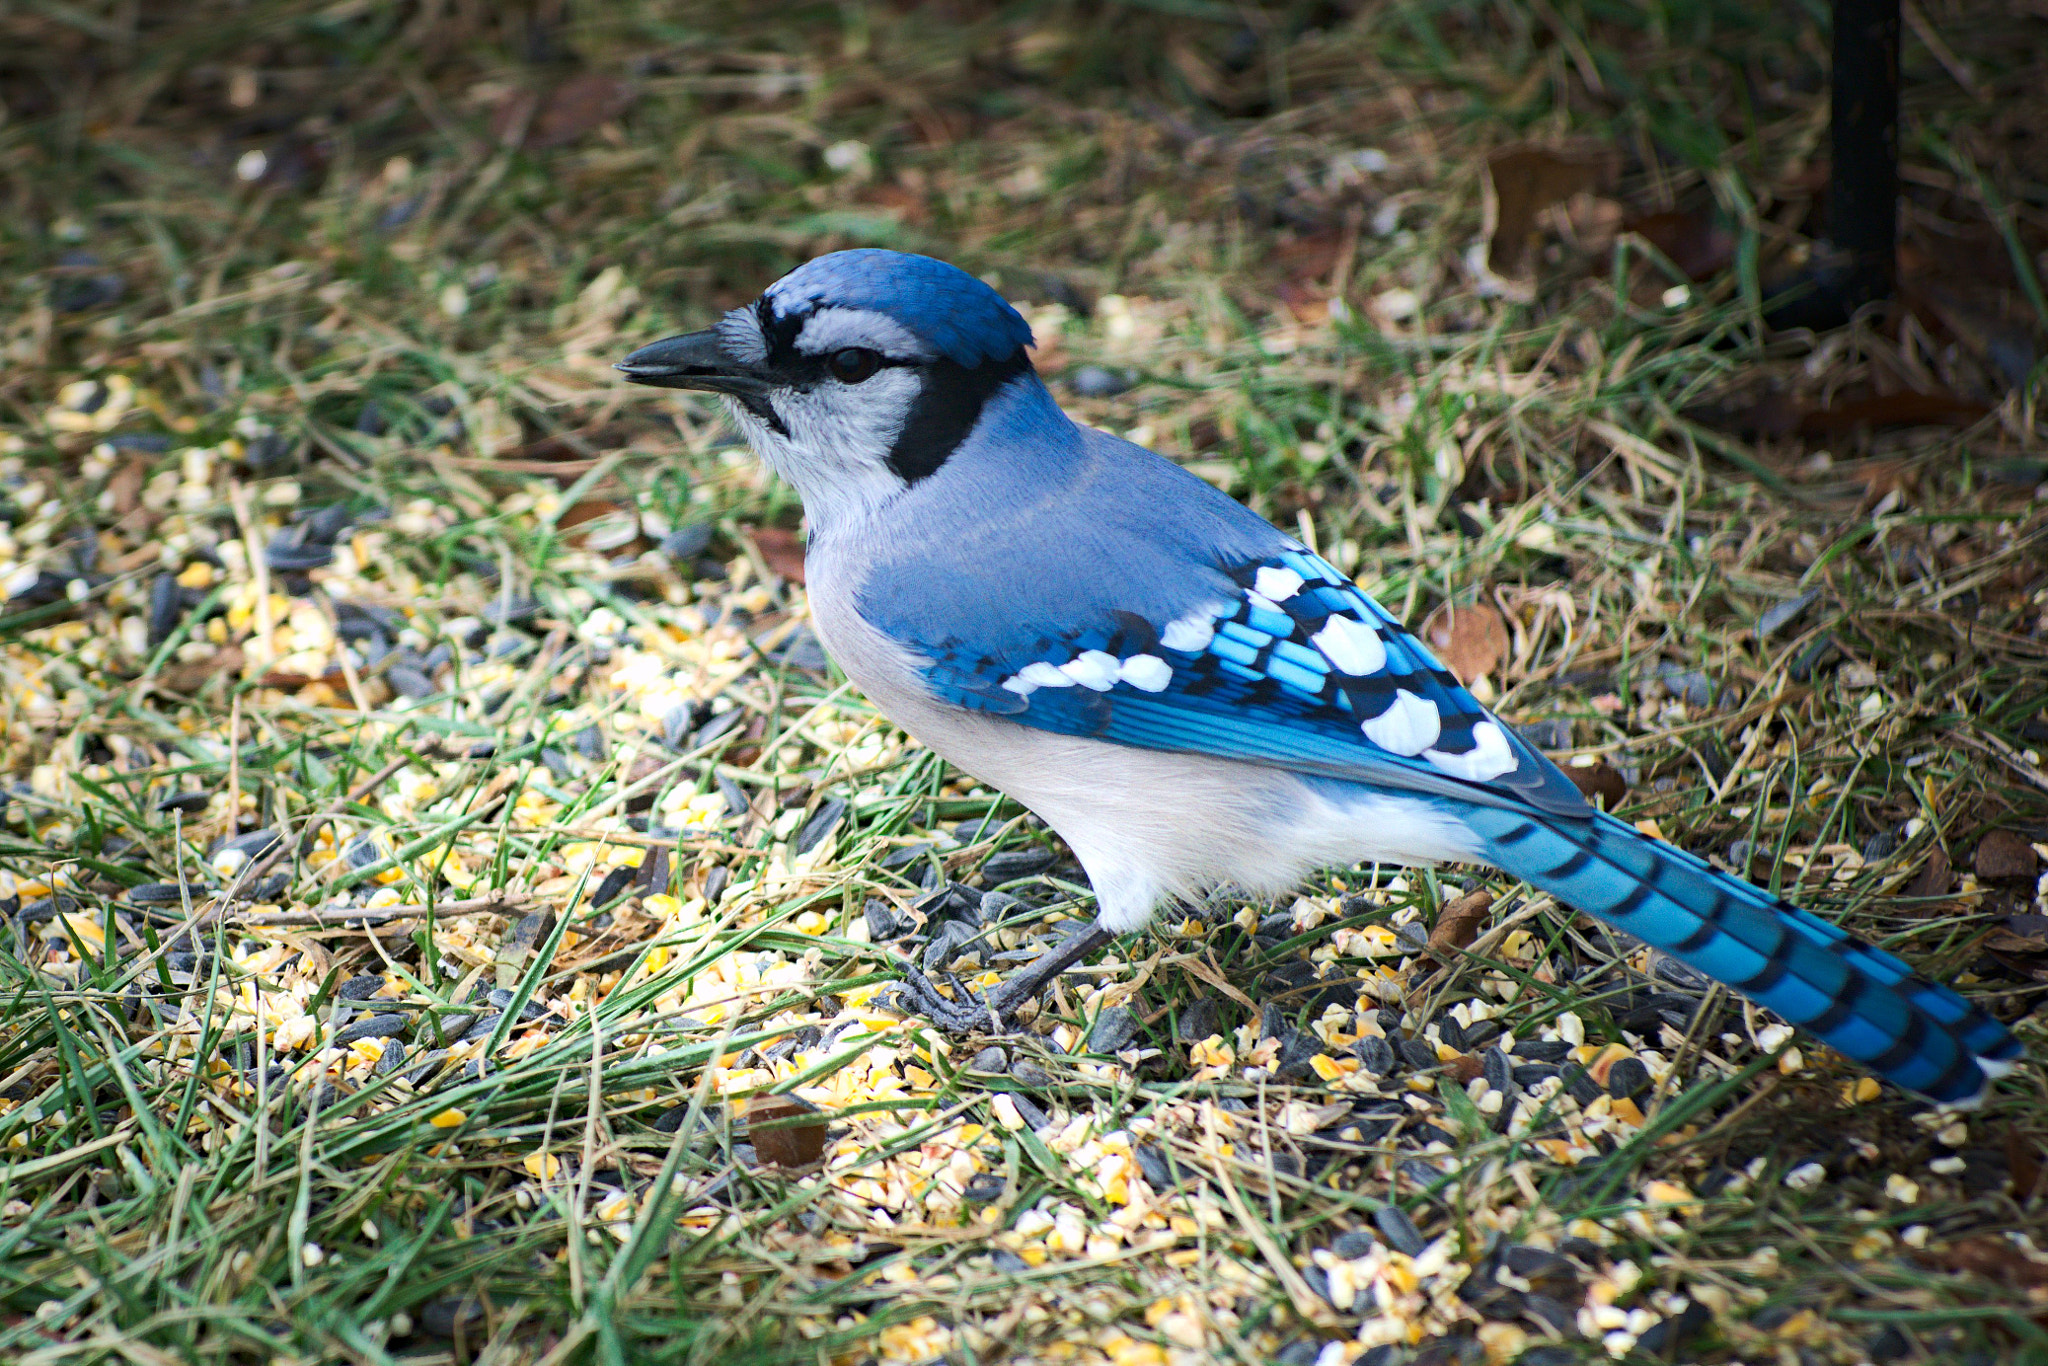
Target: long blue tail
{"points": [[1857, 999]]}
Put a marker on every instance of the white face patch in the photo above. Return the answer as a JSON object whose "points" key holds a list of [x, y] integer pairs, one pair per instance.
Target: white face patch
{"points": [[839, 438], [739, 334], [1276, 584], [1352, 647], [1490, 756], [1146, 673], [1407, 728], [834, 329]]}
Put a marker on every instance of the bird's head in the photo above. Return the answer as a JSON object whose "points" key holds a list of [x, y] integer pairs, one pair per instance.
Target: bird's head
{"points": [[856, 375]]}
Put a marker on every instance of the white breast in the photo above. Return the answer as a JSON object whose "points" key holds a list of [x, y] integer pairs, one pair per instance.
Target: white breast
{"points": [[1148, 826]]}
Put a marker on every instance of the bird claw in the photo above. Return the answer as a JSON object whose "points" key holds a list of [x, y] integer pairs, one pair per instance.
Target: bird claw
{"points": [[966, 1012]]}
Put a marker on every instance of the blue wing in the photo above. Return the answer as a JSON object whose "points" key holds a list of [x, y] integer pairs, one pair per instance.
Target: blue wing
{"points": [[1266, 676], [1281, 660], [1171, 618]]}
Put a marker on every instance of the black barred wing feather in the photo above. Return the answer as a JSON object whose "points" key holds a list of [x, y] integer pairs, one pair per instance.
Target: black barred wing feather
{"points": [[1297, 668]]}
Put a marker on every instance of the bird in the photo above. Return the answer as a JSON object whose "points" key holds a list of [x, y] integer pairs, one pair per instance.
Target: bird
{"points": [[1191, 698]]}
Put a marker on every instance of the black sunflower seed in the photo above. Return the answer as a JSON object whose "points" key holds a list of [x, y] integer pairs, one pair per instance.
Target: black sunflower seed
{"points": [[821, 824], [1114, 1029], [614, 885], [1399, 1230], [372, 1027], [166, 606]]}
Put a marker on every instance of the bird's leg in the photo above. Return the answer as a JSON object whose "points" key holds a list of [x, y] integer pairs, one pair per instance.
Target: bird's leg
{"points": [[970, 1012]]}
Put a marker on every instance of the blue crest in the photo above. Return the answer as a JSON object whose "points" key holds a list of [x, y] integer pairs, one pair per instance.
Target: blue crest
{"points": [[958, 315]]}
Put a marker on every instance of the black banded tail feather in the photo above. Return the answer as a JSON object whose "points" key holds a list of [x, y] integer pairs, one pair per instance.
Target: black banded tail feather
{"points": [[1858, 999]]}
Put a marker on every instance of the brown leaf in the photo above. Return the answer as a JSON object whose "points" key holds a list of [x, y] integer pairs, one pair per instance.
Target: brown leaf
{"points": [[2023, 1158], [585, 510], [1933, 878], [1520, 183], [1779, 414], [512, 115], [600, 524], [786, 1130], [2023, 945], [1458, 924], [1909, 408], [2004, 854], [190, 678], [575, 107], [1309, 259], [782, 551], [1469, 640], [1694, 240], [1773, 413], [1599, 780], [1304, 302], [124, 490], [1464, 1068], [1590, 223], [1993, 1258]]}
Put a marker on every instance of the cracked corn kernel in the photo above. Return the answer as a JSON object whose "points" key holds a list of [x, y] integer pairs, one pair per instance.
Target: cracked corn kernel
{"points": [[448, 1118], [1128, 1351]]}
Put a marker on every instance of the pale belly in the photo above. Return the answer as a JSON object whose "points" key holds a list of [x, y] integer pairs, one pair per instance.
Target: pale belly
{"points": [[1149, 826]]}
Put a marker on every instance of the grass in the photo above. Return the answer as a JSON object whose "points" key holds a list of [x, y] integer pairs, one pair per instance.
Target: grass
{"points": [[266, 259]]}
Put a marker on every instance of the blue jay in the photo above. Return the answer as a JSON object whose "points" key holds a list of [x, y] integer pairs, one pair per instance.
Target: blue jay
{"points": [[1188, 696]]}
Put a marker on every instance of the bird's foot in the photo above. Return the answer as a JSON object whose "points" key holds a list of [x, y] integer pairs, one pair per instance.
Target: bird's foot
{"points": [[965, 1012]]}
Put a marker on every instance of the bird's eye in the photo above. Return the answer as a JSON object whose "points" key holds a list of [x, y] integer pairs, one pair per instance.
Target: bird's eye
{"points": [[853, 364]]}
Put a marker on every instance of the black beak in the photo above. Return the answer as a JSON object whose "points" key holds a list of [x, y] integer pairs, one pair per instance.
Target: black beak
{"points": [[694, 361]]}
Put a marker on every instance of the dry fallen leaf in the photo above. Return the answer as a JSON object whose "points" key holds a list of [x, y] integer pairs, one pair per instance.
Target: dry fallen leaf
{"points": [[563, 115], [124, 489], [1602, 780], [2024, 1160], [1779, 414], [781, 550], [188, 679], [1589, 223], [1469, 640], [786, 1130], [1520, 183], [1458, 925], [1994, 1259], [1933, 877], [1695, 241], [2004, 854]]}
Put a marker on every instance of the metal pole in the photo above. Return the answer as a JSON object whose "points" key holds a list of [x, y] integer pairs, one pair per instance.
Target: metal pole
{"points": [[1863, 195]]}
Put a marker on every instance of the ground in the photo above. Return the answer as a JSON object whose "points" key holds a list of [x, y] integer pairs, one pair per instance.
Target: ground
{"points": [[452, 902]]}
